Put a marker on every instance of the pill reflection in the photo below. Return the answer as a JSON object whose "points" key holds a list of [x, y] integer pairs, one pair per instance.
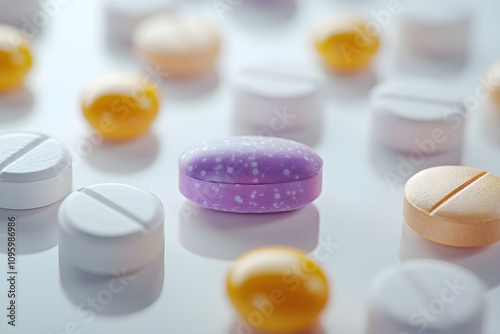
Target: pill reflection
{"points": [[397, 167], [15, 104], [477, 259], [36, 229], [226, 236], [112, 295], [120, 157], [309, 135], [239, 326]]}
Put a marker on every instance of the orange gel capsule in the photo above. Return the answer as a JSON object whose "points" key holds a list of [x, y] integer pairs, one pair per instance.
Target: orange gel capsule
{"points": [[278, 289], [121, 106], [345, 43], [15, 57]]}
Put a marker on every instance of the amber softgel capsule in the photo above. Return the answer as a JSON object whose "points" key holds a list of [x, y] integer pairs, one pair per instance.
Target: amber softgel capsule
{"points": [[345, 42], [278, 289], [454, 205], [121, 105], [15, 57]]}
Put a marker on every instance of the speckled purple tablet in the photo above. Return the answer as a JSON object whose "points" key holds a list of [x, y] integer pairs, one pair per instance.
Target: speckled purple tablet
{"points": [[250, 174]]}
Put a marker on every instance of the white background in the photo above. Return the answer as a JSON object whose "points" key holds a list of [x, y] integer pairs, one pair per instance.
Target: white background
{"points": [[357, 210]]}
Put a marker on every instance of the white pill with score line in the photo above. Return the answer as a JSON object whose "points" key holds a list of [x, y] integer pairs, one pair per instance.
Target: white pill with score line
{"points": [[109, 228], [265, 89], [417, 114], [436, 30], [35, 171], [426, 296]]}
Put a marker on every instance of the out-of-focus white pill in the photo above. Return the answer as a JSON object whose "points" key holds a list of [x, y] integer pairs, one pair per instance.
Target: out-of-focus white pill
{"points": [[286, 93], [109, 228], [35, 171], [436, 29], [417, 114], [124, 15], [426, 296], [26, 14]]}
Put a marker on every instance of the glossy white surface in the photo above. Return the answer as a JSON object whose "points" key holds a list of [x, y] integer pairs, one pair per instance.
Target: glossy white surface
{"points": [[359, 213]]}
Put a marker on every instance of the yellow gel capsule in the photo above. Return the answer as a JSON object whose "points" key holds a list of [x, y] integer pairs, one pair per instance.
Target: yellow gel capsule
{"points": [[277, 289], [121, 106], [345, 43], [15, 57]]}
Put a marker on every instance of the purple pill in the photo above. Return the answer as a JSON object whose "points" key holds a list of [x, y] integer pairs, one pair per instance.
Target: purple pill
{"points": [[250, 174]]}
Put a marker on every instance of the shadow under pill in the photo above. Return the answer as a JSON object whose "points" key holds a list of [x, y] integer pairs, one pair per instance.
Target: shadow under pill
{"points": [[310, 134], [262, 14], [350, 86], [112, 295], [239, 326], [125, 156], [428, 66], [16, 104], [491, 123], [397, 167], [119, 49], [226, 236], [36, 229], [479, 260], [187, 89]]}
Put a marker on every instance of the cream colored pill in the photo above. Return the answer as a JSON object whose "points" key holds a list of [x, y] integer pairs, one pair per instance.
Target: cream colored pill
{"points": [[182, 46], [454, 205], [494, 80]]}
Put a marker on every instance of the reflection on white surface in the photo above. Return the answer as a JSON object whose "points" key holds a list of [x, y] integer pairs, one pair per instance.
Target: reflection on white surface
{"points": [[226, 236], [309, 135], [15, 104], [112, 295], [428, 66], [261, 13], [350, 85], [124, 156], [491, 123], [36, 229], [483, 261], [241, 327], [400, 166], [189, 88]]}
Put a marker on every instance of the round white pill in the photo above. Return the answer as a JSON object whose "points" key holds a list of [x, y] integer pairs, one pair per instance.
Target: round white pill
{"points": [[123, 16], [108, 228], [417, 114], [426, 296], [436, 29], [35, 171], [278, 95]]}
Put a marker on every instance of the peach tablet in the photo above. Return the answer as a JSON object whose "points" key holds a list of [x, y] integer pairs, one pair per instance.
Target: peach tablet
{"points": [[454, 205], [183, 46]]}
